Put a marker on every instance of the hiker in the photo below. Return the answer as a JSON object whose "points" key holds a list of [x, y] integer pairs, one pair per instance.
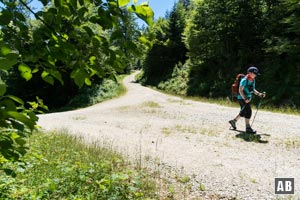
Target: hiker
{"points": [[246, 89]]}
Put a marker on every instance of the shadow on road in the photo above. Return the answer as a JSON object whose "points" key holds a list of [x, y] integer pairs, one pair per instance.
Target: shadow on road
{"points": [[248, 137]]}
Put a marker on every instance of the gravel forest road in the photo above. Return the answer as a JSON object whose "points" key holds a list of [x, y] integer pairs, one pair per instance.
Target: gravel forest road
{"points": [[193, 138]]}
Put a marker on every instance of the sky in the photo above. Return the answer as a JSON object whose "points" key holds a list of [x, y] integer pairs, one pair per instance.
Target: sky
{"points": [[160, 7]]}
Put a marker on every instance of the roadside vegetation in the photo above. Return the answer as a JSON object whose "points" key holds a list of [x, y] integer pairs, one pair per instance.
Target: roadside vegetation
{"points": [[175, 86], [90, 95], [68, 53], [60, 166]]}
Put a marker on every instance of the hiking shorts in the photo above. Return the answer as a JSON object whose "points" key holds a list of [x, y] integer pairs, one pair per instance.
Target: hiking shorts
{"points": [[246, 110]]}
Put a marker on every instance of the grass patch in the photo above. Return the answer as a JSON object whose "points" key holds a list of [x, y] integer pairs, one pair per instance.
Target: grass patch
{"points": [[166, 131], [292, 143], [59, 166], [187, 129], [282, 110], [79, 118], [151, 104]]}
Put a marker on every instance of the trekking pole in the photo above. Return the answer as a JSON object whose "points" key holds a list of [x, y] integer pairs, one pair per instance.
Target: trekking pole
{"points": [[258, 106]]}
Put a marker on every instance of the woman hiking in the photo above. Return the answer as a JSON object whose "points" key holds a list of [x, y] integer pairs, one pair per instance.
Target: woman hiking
{"points": [[246, 90]]}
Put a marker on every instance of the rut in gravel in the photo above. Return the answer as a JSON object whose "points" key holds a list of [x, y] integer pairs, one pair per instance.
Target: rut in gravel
{"points": [[193, 138]]}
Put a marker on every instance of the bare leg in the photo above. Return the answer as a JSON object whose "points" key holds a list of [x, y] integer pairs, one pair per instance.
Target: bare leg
{"points": [[237, 117], [247, 121]]}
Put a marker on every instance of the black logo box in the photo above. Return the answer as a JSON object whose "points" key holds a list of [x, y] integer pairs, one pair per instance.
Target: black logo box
{"points": [[284, 185]]}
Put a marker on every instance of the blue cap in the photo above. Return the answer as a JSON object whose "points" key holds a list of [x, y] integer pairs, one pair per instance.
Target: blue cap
{"points": [[253, 70]]}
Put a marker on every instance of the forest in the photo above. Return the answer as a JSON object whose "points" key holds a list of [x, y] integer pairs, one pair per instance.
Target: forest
{"points": [[48, 57], [201, 45]]}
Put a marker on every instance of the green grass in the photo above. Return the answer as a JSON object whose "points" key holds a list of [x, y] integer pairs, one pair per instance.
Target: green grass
{"points": [[151, 104], [60, 166]]}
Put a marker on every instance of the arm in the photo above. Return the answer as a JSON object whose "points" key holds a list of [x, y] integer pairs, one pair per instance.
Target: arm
{"points": [[263, 95]]}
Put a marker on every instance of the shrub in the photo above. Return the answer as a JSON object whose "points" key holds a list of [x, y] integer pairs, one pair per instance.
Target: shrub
{"points": [[178, 83]]}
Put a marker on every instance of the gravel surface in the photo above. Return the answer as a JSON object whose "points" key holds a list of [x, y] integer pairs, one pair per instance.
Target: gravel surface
{"points": [[194, 139]]}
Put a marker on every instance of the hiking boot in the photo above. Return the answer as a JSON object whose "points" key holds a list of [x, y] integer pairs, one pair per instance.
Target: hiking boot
{"points": [[233, 124], [250, 130]]}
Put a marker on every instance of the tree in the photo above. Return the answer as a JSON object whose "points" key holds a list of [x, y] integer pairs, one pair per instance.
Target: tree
{"points": [[64, 45], [129, 30], [282, 52], [222, 38], [168, 47]]}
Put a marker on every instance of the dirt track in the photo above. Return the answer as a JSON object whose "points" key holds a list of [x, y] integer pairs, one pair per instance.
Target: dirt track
{"points": [[194, 138]]}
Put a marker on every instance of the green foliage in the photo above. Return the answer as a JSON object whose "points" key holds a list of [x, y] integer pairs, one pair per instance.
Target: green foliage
{"points": [[178, 82], [96, 93], [74, 43], [143, 11], [282, 46], [59, 166], [223, 38], [16, 124], [168, 48]]}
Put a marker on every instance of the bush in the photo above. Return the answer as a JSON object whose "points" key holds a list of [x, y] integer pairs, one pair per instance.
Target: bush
{"points": [[90, 95], [178, 83]]}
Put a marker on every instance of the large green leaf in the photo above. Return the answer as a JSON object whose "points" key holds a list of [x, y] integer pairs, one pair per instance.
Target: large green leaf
{"points": [[8, 60], [16, 99], [79, 76], [5, 50], [144, 12], [47, 77], [56, 74], [22, 118], [8, 105], [25, 71], [123, 2]]}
